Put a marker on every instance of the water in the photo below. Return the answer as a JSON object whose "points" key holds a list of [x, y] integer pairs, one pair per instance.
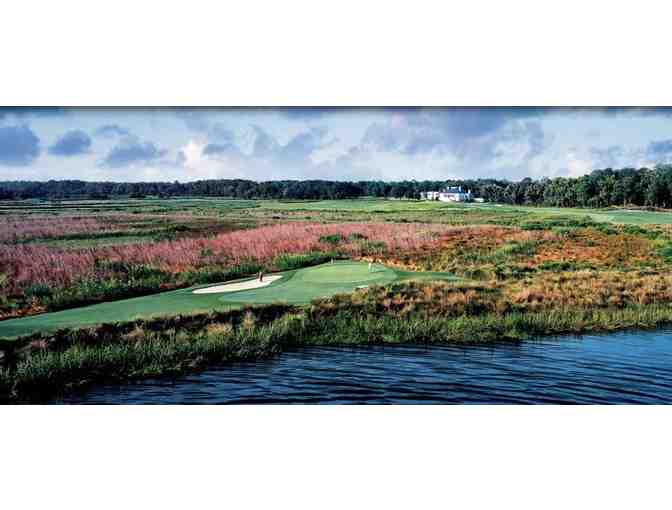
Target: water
{"points": [[623, 368]]}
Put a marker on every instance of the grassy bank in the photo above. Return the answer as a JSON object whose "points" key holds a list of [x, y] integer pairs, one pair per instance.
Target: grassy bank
{"points": [[46, 365]]}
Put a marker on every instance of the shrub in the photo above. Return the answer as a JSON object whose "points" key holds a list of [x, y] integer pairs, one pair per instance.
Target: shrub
{"points": [[286, 261], [666, 252], [372, 247], [331, 239], [170, 233], [557, 266], [356, 236], [111, 266], [504, 272], [38, 290], [605, 228], [559, 221], [143, 272], [516, 248], [649, 233]]}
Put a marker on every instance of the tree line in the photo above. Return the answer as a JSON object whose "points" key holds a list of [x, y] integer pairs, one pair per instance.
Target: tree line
{"points": [[601, 188]]}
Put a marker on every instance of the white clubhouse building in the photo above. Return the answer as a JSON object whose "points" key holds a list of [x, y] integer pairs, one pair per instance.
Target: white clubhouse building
{"points": [[449, 194]]}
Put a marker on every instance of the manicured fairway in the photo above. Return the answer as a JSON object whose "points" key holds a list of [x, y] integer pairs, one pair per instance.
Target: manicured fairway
{"points": [[609, 215], [619, 216], [373, 205], [370, 205], [366, 206], [295, 287]]}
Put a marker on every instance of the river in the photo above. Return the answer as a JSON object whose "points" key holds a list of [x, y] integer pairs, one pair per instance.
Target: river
{"points": [[631, 367]]}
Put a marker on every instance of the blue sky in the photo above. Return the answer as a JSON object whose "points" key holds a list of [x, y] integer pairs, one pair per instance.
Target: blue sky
{"points": [[328, 143]]}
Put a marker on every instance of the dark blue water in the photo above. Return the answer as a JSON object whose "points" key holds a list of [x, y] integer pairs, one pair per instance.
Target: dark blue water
{"points": [[620, 368]]}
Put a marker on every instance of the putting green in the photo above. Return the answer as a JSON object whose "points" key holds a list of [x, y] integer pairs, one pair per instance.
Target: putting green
{"points": [[295, 287], [346, 273]]}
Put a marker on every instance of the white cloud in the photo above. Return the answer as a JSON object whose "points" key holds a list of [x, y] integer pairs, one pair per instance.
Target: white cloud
{"points": [[577, 166], [348, 145], [197, 165]]}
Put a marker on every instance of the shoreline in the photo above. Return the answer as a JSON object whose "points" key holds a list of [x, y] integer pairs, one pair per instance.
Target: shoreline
{"points": [[44, 366]]}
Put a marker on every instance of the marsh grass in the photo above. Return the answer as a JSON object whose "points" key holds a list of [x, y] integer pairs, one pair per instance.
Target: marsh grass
{"points": [[352, 329], [142, 353], [169, 347]]}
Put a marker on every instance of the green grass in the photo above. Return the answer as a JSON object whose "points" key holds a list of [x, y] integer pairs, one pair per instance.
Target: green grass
{"points": [[295, 287], [365, 209], [609, 215], [95, 242], [147, 205], [360, 205], [467, 213]]}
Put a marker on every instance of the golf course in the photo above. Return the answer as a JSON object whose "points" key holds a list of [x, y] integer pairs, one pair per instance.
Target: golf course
{"points": [[296, 287], [124, 288]]}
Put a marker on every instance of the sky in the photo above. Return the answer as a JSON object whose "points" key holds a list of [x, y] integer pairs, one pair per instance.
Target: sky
{"points": [[130, 145]]}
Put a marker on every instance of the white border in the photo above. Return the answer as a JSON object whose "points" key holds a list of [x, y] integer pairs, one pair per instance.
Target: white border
{"points": [[336, 457], [346, 53], [343, 53]]}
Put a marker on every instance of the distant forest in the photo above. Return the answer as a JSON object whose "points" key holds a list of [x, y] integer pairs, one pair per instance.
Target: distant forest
{"points": [[601, 188]]}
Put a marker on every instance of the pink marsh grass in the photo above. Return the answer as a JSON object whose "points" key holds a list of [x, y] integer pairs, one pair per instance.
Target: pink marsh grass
{"points": [[26, 264]]}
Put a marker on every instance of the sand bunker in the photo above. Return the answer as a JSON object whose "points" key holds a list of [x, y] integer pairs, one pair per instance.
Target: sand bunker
{"points": [[232, 287]]}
